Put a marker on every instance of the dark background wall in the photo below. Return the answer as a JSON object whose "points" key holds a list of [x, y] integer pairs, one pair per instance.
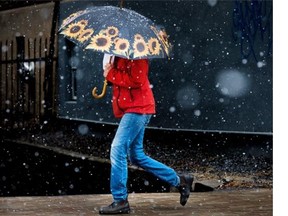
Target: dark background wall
{"points": [[218, 78]]}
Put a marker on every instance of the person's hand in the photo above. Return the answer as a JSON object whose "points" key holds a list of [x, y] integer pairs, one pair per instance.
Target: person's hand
{"points": [[107, 68]]}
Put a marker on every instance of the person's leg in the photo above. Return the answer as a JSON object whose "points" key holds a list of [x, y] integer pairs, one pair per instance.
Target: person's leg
{"points": [[139, 158], [129, 128]]}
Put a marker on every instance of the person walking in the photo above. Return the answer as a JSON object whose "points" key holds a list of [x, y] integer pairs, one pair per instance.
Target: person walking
{"points": [[134, 103]]}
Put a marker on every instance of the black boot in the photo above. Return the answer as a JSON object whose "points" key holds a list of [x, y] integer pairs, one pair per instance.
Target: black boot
{"points": [[121, 207], [185, 188]]}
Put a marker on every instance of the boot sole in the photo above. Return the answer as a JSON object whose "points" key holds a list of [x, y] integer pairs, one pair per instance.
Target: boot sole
{"points": [[122, 211]]}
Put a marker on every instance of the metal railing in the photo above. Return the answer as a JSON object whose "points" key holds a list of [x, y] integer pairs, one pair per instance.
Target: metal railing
{"points": [[23, 69]]}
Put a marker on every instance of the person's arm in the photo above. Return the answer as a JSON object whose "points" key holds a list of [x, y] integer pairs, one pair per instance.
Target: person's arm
{"points": [[135, 79], [107, 59]]}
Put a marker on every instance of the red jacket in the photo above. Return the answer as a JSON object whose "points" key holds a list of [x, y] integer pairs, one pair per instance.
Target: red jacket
{"points": [[131, 88]]}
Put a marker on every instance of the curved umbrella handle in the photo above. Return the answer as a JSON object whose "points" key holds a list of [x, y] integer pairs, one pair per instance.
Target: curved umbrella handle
{"points": [[94, 91]]}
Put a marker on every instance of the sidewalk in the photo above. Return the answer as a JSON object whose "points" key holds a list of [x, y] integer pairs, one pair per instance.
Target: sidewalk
{"points": [[220, 202]]}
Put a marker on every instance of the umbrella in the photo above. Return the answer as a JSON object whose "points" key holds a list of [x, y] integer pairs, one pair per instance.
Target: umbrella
{"points": [[117, 31]]}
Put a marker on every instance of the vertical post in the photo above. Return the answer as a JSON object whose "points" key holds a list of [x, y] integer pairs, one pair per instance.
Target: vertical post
{"points": [[20, 42], [1, 92], [48, 82], [121, 3], [6, 78]]}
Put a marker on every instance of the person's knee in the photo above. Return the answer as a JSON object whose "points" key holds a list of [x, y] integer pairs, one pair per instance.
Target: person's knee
{"points": [[137, 159], [113, 157], [133, 159], [117, 154]]}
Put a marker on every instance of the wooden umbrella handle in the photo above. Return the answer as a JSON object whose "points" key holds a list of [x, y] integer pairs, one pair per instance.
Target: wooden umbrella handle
{"points": [[94, 91]]}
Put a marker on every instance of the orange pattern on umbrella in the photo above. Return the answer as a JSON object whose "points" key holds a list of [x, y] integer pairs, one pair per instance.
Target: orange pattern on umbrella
{"points": [[100, 42], [112, 31], [85, 35], [71, 17], [140, 48], [163, 37], [121, 46], [154, 46], [74, 30], [108, 40]]}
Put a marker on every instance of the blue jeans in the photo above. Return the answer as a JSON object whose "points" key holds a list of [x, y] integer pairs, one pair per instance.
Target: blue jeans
{"points": [[128, 142]]}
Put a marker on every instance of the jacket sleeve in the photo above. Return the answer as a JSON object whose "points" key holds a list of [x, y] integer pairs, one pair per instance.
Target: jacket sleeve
{"points": [[134, 78]]}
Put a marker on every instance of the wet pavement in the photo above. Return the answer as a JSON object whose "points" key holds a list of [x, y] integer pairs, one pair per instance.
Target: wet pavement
{"points": [[219, 202]]}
